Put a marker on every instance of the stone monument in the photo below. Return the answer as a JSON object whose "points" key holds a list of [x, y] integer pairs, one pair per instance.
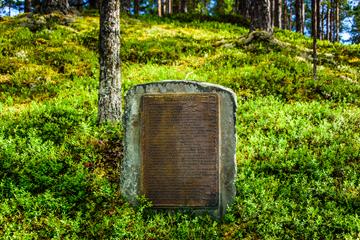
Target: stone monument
{"points": [[179, 146]]}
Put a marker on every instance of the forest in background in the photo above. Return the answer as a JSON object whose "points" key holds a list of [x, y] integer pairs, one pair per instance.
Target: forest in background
{"points": [[336, 19]]}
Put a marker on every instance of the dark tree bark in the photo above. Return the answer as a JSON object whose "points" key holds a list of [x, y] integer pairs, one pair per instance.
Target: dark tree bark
{"points": [[93, 4], [285, 16], [260, 15], [49, 6], [109, 106], [314, 22], [159, 8], [318, 18], [125, 6], [136, 7], [300, 15], [27, 6], [337, 20], [331, 27], [272, 13], [278, 13]]}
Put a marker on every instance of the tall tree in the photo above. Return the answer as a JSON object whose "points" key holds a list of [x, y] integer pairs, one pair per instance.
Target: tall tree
{"points": [[49, 6], [314, 22], [27, 6], [337, 21], [109, 106], [260, 15], [300, 16], [278, 14], [93, 4]]}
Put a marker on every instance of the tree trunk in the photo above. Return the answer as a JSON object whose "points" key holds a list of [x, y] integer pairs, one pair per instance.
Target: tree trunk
{"points": [[170, 7], [93, 4], [159, 8], [285, 17], [260, 15], [298, 17], [322, 22], [27, 6], [328, 22], [125, 6], [318, 18], [49, 6], [109, 106], [331, 33], [278, 13], [136, 7], [337, 21], [290, 16], [314, 22], [272, 12]]}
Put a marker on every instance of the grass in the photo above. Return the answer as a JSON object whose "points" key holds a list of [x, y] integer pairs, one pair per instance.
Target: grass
{"points": [[298, 150]]}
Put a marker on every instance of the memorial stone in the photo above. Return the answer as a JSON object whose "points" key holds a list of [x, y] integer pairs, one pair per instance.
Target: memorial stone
{"points": [[179, 146]]}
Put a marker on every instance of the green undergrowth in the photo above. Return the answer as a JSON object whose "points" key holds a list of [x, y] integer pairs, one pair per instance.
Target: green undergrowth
{"points": [[298, 149]]}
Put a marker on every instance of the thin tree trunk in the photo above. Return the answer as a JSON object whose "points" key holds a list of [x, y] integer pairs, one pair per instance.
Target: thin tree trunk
{"points": [[337, 21], [314, 34], [278, 13], [27, 6], [159, 8], [290, 16], [93, 4], [285, 17], [272, 12], [331, 36], [327, 22], [136, 7], [318, 18], [109, 108], [170, 7], [322, 22]]}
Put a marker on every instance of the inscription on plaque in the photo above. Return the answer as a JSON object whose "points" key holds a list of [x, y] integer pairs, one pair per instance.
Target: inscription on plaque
{"points": [[180, 149]]}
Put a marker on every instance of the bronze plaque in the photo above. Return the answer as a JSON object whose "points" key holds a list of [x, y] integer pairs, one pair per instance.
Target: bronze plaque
{"points": [[180, 149]]}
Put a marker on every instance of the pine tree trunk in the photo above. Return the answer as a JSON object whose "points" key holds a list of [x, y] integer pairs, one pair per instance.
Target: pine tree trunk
{"points": [[170, 7], [125, 6], [331, 34], [318, 18], [159, 8], [278, 13], [49, 6], [337, 21], [272, 12], [136, 7], [290, 16], [328, 22], [27, 7], [93, 4], [260, 15], [285, 17], [298, 15], [322, 22], [109, 108], [314, 22]]}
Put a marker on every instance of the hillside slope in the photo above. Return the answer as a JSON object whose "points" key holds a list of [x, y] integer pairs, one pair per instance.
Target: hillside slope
{"points": [[298, 148]]}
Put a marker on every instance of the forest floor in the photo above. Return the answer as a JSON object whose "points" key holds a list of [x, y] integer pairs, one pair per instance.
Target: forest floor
{"points": [[298, 149]]}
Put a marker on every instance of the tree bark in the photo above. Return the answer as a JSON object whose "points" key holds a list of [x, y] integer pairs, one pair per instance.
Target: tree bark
{"points": [[314, 22], [93, 4], [136, 7], [109, 106], [337, 20], [27, 6], [260, 15], [125, 6], [278, 13], [159, 8], [285, 16], [49, 6], [318, 18], [272, 12], [331, 33]]}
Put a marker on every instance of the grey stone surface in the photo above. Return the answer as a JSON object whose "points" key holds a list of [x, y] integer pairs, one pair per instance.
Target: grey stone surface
{"points": [[131, 165]]}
